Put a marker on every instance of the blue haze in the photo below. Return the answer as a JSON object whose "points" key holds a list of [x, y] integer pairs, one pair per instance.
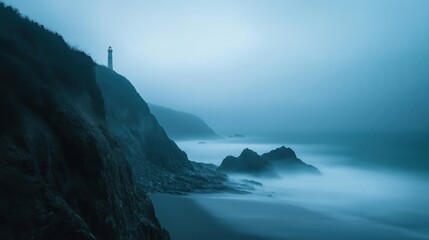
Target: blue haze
{"points": [[255, 66]]}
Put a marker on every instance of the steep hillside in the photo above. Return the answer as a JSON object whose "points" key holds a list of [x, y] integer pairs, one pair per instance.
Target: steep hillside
{"points": [[62, 173], [182, 125], [139, 135], [157, 162]]}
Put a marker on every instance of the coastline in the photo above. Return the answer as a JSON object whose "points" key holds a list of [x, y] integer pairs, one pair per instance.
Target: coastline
{"points": [[184, 219], [229, 216]]}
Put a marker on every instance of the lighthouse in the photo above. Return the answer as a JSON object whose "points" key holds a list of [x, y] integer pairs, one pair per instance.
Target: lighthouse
{"points": [[110, 58]]}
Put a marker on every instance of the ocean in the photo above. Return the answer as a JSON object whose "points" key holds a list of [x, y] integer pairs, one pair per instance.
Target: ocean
{"points": [[365, 191]]}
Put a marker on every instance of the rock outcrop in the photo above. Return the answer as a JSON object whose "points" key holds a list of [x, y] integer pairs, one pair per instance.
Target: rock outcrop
{"points": [[284, 159], [248, 162], [280, 153], [280, 160]]}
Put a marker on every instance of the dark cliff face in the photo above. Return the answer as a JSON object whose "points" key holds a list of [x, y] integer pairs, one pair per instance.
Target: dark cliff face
{"points": [[152, 155], [182, 125], [62, 173], [136, 129], [157, 162]]}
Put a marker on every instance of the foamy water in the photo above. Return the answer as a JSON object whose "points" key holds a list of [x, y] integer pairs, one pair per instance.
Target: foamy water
{"points": [[368, 202]]}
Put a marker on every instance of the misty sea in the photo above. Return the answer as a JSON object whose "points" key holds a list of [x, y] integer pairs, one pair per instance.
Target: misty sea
{"points": [[359, 195]]}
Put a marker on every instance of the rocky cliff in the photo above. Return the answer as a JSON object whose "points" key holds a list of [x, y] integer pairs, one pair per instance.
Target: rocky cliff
{"points": [[63, 172], [157, 162]]}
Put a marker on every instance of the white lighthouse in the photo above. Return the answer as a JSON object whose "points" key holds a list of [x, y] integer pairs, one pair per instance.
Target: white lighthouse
{"points": [[110, 58]]}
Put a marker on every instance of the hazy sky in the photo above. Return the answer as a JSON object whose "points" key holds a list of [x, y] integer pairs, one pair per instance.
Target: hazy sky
{"points": [[261, 65]]}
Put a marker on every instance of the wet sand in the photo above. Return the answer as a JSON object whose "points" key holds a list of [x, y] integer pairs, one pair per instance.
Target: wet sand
{"points": [[219, 217], [186, 220]]}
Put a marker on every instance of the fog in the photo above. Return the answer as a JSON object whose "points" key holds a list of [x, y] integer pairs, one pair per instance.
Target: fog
{"points": [[346, 200], [253, 66], [343, 202], [345, 84]]}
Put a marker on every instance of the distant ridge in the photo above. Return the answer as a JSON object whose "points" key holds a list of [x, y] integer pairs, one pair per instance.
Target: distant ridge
{"points": [[182, 125]]}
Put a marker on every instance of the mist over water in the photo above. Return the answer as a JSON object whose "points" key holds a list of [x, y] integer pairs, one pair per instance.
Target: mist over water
{"points": [[400, 150], [374, 198], [343, 83]]}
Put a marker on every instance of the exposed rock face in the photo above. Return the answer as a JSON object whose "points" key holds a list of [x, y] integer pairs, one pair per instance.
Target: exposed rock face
{"points": [[285, 159], [280, 153], [63, 175], [248, 162], [158, 164], [181, 125], [142, 140], [268, 164]]}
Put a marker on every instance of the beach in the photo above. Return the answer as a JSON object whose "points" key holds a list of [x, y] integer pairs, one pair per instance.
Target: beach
{"points": [[185, 219], [347, 201], [229, 216]]}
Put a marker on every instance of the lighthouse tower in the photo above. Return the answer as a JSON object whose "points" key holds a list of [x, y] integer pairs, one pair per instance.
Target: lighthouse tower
{"points": [[110, 58]]}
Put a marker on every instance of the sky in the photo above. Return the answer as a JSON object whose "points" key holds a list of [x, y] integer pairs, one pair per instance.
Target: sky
{"points": [[251, 66]]}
